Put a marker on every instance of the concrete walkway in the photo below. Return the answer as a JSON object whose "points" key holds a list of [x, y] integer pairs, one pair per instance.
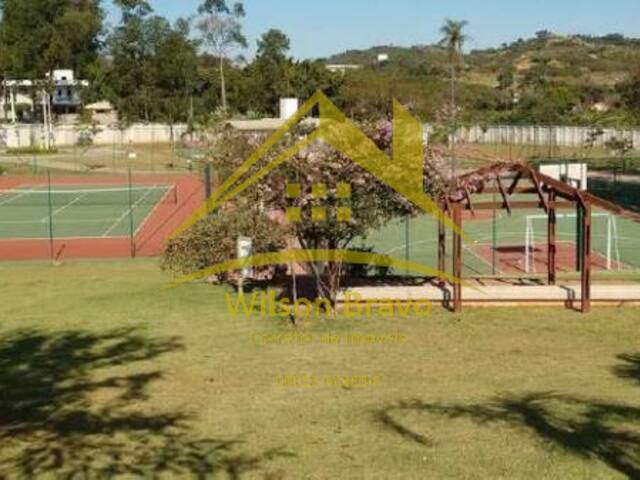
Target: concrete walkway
{"points": [[506, 295]]}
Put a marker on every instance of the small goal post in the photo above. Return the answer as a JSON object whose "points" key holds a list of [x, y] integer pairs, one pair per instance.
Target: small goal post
{"points": [[612, 248]]}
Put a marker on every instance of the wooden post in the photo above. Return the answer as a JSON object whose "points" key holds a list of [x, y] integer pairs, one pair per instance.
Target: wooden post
{"points": [[442, 246], [551, 239], [207, 181], [579, 236], [586, 257], [457, 258]]}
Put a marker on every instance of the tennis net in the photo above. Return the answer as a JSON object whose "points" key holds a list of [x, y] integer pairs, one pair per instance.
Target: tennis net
{"points": [[139, 195]]}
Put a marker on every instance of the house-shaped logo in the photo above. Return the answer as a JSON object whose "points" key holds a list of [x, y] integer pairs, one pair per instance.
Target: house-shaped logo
{"points": [[402, 173]]}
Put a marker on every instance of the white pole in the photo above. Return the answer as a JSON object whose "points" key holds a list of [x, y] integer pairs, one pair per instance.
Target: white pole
{"points": [[526, 246], [44, 119], [617, 245], [609, 233]]}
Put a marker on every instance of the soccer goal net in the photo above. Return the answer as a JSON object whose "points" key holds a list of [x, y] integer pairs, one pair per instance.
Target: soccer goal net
{"points": [[604, 234]]}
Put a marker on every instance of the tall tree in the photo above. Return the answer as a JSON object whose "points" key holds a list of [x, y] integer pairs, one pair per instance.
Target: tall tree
{"points": [[175, 65], [273, 46], [453, 39], [130, 46], [153, 66], [38, 36], [133, 8], [221, 30], [272, 70]]}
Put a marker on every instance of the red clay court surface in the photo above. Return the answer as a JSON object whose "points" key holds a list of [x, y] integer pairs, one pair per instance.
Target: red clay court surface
{"points": [[511, 259], [149, 241]]}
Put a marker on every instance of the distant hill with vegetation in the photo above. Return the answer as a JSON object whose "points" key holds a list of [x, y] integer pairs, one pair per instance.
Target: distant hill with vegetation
{"points": [[601, 61], [549, 78]]}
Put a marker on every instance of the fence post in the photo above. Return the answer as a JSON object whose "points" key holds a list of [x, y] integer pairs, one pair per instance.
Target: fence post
{"points": [[132, 244], [442, 239], [457, 258], [407, 253], [586, 258], [153, 146], [50, 206], [579, 237], [494, 236], [207, 181], [551, 239]]}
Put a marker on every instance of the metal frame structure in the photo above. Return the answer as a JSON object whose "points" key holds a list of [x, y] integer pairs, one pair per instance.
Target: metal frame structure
{"points": [[551, 195]]}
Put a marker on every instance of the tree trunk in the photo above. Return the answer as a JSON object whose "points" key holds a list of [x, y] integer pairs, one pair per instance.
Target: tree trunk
{"points": [[223, 87], [146, 106], [454, 127], [334, 274]]}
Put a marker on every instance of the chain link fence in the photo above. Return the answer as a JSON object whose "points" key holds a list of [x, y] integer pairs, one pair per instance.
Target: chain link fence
{"points": [[30, 149]]}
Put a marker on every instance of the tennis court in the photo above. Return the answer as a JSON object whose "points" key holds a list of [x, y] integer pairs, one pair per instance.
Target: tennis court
{"points": [[79, 211]]}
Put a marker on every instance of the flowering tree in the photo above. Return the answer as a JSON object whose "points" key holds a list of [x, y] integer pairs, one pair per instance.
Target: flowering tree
{"points": [[336, 200]]}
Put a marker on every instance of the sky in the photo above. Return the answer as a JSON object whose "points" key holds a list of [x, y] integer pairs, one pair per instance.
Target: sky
{"points": [[324, 27]]}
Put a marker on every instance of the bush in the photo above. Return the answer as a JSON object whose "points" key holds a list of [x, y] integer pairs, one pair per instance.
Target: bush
{"points": [[214, 240], [31, 151], [2, 170]]}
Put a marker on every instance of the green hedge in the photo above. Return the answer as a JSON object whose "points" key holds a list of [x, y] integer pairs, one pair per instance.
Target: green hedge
{"points": [[31, 151]]}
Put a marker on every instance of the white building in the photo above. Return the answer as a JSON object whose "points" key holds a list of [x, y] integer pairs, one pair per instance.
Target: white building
{"points": [[27, 95], [342, 67], [66, 95], [15, 97], [102, 112]]}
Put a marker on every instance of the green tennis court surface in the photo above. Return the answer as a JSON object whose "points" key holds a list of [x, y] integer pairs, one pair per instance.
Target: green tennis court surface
{"points": [[503, 242], [78, 211]]}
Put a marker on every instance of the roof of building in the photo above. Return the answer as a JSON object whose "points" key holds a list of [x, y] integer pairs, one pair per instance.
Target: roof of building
{"points": [[102, 105], [263, 124]]}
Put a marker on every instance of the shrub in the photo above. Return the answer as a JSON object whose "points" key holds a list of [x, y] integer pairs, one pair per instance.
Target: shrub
{"points": [[214, 240], [31, 151]]}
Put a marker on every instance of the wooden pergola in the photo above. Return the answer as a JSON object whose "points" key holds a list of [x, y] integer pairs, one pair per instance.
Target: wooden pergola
{"points": [[551, 195]]}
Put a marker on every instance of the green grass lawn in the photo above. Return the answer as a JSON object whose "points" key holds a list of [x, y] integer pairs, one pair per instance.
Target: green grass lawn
{"points": [[105, 373]]}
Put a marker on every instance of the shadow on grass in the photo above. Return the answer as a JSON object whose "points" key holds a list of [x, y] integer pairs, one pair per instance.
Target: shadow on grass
{"points": [[64, 413], [588, 428], [630, 369]]}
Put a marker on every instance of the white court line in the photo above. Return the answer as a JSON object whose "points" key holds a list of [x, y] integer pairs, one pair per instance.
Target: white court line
{"points": [[127, 212], [148, 217], [482, 259], [411, 244], [64, 207], [424, 242], [25, 239], [15, 197], [31, 222]]}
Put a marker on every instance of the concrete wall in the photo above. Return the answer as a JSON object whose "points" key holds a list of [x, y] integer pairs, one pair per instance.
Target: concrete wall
{"points": [[20, 136], [540, 135], [23, 135]]}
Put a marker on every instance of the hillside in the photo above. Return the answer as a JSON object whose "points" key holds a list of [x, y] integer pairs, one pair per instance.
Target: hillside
{"points": [[579, 59]]}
